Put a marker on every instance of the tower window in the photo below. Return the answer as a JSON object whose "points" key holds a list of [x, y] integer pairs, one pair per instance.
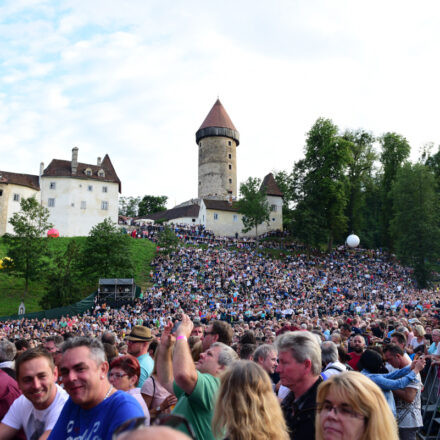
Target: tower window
{"points": [[230, 166], [230, 156], [215, 216], [229, 143], [230, 180]]}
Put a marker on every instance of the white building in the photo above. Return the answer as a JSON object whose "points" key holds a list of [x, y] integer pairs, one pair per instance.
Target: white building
{"points": [[13, 188], [77, 195]]}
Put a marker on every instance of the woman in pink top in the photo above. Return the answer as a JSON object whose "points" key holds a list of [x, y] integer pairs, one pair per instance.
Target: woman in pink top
{"points": [[157, 398]]}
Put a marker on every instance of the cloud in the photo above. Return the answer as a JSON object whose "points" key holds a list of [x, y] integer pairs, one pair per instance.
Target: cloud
{"points": [[136, 79]]}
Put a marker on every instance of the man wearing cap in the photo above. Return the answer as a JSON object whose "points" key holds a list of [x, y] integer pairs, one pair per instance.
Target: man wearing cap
{"points": [[138, 343]]}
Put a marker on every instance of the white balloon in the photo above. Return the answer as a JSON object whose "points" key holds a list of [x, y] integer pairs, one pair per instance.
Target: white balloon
{"points": [[353, 241]]}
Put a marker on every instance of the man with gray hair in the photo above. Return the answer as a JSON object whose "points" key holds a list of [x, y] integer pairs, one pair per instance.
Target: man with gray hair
{"points": [[330, 360], [299, 366], [95, 409], [266, 356], [195, 385], [7, 355]]}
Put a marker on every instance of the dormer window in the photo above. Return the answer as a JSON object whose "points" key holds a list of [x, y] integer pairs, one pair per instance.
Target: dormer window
{"points": [[88, 171], [101, 173]]}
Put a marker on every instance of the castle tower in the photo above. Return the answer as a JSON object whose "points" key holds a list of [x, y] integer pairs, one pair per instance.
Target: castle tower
{"points": [[217, 139]]}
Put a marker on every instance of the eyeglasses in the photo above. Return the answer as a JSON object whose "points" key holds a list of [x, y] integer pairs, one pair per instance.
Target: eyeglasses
{"points": [[117, 375], [172, 420], [343, 410]]}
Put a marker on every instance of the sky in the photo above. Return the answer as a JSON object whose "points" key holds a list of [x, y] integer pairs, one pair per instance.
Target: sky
{"points": [[135, 79]]}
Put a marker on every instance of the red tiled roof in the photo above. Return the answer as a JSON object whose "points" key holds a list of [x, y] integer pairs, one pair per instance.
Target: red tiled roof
{"points": [[217, 117], [271, 187], [28, 180], [63, 168]]}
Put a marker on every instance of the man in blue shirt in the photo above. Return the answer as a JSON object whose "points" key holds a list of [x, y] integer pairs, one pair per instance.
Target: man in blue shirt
{"points": [[95, 409]]}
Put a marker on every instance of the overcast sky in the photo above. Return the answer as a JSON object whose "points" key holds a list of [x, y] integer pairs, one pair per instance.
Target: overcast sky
{"points": [[136, 78]]}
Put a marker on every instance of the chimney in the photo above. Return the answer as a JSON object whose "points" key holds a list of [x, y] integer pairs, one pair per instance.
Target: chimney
{"points": [[74, 160], [99, 161], [41, 168]]}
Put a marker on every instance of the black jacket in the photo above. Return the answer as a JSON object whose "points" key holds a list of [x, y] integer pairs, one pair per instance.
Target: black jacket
{"points": [[300, 415]]}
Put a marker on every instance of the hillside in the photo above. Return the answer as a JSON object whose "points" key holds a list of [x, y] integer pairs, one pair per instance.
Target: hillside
{"points": [[11, 288]]}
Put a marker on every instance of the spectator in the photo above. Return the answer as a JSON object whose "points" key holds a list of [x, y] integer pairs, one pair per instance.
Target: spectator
{"points": [[7, 355], [138, 343], [218, 331], [194, 385], [299, 357], [9, 391], [358, 347], [124, 375], [21, 345], [372, 366], [266, 357], [246, 406], [38, 409], [330, 362], [84, 370], [157, 398], [408, 400], [351, 406]]}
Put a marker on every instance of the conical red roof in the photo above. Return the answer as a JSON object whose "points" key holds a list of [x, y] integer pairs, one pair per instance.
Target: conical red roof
{"points": [[217, 117]]}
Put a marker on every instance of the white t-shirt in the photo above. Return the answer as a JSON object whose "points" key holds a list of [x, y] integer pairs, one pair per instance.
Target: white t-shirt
{"points": [[34, 422]]}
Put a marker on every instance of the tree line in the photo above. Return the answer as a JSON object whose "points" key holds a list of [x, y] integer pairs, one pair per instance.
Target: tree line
{"points": [[137, 206], [67, 272], [345, 184]]}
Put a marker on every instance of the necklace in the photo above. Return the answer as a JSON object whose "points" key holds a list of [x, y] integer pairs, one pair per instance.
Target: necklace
{"points": [[108, 392]]}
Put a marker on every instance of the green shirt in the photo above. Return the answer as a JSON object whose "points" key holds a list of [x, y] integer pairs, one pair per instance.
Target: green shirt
{"points": [[198, 407]]}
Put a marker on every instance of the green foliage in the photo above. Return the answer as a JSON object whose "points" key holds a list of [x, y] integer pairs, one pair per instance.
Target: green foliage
{"points": [[142, 253], [129, 206], [320, 186], [167, 239], [64, 284], [359, 172], [27, 247], [253, 205], [415, 227], [152, 204], [395, 150], [106, 252]]}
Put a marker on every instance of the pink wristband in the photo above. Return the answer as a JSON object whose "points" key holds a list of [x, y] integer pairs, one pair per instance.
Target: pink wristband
{"points": [[181, 337]]}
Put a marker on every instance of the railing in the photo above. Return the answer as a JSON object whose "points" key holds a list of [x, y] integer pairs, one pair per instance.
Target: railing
{"points": [[431, 405]]}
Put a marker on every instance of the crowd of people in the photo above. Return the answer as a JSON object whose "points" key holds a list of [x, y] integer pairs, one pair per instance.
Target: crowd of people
{"points": [[228, 343]]}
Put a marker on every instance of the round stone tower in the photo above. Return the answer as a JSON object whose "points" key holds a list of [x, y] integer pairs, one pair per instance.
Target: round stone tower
{"points": [[217, 139]]}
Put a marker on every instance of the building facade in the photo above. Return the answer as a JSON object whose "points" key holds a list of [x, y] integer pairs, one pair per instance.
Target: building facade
{"points": [[77, 195]]}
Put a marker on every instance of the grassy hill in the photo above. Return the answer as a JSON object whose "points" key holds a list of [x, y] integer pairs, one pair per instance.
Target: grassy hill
{"points": [[11, 288]]}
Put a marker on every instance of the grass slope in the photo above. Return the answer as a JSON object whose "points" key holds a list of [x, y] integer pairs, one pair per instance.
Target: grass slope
{"points": [[11, 288]]}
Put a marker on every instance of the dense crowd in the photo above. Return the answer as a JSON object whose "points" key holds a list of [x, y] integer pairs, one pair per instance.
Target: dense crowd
{"points": [[305, 319]]}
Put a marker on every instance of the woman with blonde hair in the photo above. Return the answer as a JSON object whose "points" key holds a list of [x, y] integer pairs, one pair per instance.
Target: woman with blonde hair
{"points": [[353, 407], [246, 407]]}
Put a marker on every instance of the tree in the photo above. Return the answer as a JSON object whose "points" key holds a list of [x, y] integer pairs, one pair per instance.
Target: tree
{"points": [[167, 239], [106, 252], [27, 247], [152, 204], [359, 171], [395, 149], [321, 186], [415, 226], [253, 205], [129, 206], [64, 279]]}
